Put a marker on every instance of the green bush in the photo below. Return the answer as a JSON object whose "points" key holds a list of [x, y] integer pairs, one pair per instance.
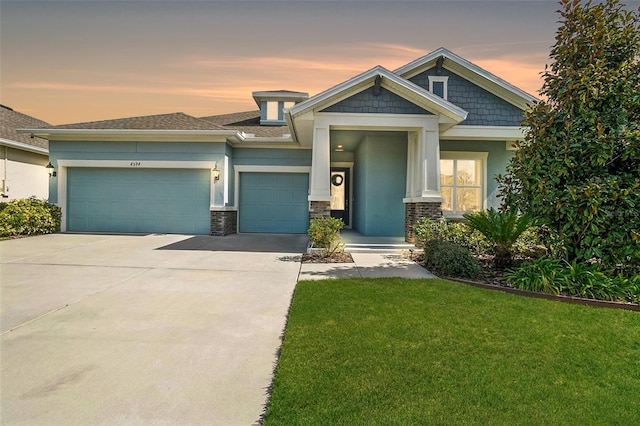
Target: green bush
{"points": [[553, 276], [325, 233], [502, 229], [543, 275], [449, 259], [453, 232], [29, 217]]}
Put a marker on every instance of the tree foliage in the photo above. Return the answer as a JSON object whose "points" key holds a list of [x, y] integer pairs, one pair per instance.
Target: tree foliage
{"points": [[578, 169]]}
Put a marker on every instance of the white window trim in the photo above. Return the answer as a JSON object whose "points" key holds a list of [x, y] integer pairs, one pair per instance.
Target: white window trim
{"points": [[468, 155], [439, 78]]}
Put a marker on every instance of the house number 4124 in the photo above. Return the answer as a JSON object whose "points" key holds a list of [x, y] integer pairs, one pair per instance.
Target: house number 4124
{"points": [[135, 164]]}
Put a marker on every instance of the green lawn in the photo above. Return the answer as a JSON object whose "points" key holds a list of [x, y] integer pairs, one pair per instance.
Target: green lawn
{"points": [[394, 351]]}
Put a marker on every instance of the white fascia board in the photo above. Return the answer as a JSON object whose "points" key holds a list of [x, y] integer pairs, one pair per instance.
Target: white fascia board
{"points": [[23, 146], [124, 134], [471, 71], [484, 133], [289, 120]]}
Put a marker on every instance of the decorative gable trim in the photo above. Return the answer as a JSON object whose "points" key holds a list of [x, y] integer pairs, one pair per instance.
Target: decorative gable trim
{"points": [[471, 72], [386, 79]]}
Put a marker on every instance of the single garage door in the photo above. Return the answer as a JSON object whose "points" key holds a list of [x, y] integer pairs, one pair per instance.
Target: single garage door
{"points": [[274, 202], [138, 200]]}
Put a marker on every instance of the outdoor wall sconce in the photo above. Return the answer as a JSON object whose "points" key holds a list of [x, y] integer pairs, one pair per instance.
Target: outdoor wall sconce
{"points": [[51, 170], [216, 173]]}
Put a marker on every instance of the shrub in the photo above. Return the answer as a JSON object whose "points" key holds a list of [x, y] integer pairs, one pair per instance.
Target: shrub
{"points": [[325, 233], [575, 279], [29, 217], [585, 280], [578, 168], [454, 232], [543, 275], [502, 229], [449, 259], [629, 286]]}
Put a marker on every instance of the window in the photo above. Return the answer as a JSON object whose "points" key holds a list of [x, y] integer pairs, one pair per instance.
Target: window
{"points": [[438, 85], [462, 182], [272, 111]]}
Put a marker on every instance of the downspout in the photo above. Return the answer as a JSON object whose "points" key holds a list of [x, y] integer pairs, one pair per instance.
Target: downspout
{"points": [[4, 173]]}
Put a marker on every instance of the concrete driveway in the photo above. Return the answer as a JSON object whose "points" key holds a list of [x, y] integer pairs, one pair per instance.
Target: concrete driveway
{"points": [[155, 329]]}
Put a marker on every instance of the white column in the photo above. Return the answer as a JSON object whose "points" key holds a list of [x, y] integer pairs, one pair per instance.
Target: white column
{"points": [[320, 166], [430, 179], [412, 141]]}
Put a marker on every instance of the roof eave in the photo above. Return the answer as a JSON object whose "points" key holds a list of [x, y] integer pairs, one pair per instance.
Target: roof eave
{"points": [[23, 146], [124, 133]]}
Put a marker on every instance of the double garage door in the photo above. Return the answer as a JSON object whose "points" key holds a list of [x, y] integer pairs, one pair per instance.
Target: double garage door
{"points": [[178, 200], [139, 200]]}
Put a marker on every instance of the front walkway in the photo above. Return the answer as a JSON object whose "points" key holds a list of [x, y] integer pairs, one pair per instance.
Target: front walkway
{"points": [[373, 257]]}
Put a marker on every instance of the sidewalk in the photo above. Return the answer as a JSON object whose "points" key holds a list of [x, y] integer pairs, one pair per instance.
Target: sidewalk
{"points": [[366, 265]]}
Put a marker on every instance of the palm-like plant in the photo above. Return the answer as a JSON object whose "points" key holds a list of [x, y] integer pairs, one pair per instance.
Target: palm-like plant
{"points": [[502, 229]]}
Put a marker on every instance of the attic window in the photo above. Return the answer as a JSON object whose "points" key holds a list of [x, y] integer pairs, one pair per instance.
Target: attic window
{"points": [[438, 85], [272, 111]]}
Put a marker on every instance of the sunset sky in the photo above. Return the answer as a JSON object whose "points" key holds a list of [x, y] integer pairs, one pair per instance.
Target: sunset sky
{"points": [[72, 61]]}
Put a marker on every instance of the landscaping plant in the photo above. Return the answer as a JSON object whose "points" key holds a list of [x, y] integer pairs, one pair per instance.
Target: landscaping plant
{"points": [[454, 232], [449, 259], [578, 168], [576, 279], [325, 233], [28, 217], [502, 228]]}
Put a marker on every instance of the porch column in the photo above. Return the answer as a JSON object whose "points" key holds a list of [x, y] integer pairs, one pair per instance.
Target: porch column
{"points": [[320, 191], [423, 197], [430, 182]]}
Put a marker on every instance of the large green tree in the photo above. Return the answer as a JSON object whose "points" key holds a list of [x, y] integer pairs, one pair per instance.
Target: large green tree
{"points": [[578, 169]]}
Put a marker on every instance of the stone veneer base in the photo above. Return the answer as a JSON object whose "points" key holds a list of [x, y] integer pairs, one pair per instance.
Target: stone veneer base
{"points": [[413, 212], [224, 222], [319, 209]]}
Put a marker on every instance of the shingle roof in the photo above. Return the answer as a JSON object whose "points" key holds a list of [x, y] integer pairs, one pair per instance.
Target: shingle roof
{"points": [[173, 121], [11, 120], [248, 122]]}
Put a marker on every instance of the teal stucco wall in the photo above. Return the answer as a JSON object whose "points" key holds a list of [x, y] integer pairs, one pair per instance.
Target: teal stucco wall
{"points": [[380, 172], [139, 151]]}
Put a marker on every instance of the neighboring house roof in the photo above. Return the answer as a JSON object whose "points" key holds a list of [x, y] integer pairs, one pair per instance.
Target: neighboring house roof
{"points": [[11, 121], [249, 123], [173, 121], [470, 71]]}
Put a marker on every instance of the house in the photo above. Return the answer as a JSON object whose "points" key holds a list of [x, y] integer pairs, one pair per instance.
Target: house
{"points": [[380, 150], [23, 159]]}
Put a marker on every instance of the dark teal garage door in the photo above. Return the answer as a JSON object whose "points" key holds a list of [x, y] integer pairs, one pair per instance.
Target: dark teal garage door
{"points": [[274, 202], [138, 200]]}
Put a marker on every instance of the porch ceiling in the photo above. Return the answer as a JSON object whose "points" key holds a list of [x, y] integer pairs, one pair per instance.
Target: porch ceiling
{"points": [[350, 139]]}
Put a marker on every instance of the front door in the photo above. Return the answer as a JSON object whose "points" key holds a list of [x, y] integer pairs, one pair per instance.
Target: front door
{"points": [[340, 194]]}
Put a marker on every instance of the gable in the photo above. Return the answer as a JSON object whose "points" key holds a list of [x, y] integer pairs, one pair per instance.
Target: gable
{"points": [[484, 107], [386, 102]]}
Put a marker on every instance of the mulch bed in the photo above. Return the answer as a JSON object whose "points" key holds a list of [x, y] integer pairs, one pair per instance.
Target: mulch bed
{"points": [[343, 257], [491, 278]]}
